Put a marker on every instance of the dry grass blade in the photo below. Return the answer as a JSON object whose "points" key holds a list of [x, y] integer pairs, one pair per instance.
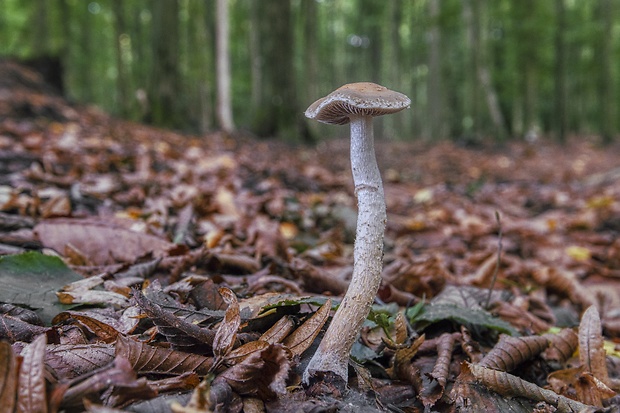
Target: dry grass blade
{"points": [[510, 352], [591, 345], [508, 385]]}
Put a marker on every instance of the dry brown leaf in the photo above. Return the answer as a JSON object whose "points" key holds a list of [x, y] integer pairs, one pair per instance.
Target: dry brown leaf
{"points": [[226, 333], [279, 330], [401, 365], [239, 354], [561, 345], [301, 339], [150, 359], [591, 390], [262, 374], [512, 386], [100, 242], [31, 395], [591, 345], [510, 352], [14, 329], [8, 377], [68, 361], [101, 326]]}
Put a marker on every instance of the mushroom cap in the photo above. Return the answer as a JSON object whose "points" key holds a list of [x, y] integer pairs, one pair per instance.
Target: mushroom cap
{"points": [[361, 99]]}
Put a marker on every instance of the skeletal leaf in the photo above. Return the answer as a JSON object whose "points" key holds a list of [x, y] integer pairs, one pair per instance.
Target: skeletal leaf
{"points": [[8, 377], [510, 352], [145, 358], [31, 388], [508, 385], [300, 339], [591, 345]]}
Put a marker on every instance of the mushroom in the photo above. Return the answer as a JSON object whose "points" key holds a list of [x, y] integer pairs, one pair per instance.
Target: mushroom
{"points": [[357, 104]]}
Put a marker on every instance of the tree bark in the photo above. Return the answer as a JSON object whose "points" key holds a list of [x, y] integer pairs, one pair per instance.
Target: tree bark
{"points": [[435, 87], [560, 84], [605, 76], [224, 101], [484, 74], [123, 91], [165, 86]]}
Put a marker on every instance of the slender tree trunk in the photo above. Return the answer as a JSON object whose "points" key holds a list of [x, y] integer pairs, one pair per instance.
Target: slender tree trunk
{"points": [[605, 77], [123, 91], [278, 114], [165, 86], [471, 108], [484, 74], [560, 85], [224, 101], [435, 87], [256, 64]]}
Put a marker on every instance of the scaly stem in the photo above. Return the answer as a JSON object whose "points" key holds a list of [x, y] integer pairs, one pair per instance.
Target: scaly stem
{"points": [[333, 352]]}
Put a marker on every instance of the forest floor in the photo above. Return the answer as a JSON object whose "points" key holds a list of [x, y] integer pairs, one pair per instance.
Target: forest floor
{"points": [[187, 260]]}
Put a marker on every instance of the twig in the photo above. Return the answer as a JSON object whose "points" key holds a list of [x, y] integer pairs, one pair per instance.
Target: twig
{"points": [[499, 257]]}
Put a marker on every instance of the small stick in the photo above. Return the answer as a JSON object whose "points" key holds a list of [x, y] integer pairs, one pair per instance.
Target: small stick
{"points": [[499, 259]]}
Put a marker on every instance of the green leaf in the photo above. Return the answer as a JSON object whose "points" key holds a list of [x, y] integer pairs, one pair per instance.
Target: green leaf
{"points": [[31, 279], [470, 317]]}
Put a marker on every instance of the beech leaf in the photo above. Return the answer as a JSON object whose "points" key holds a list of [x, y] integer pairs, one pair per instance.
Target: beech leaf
{"points": [[592, 345], [301, 339], [226, 333], [31, 396], [94, 239], [8, 377]]}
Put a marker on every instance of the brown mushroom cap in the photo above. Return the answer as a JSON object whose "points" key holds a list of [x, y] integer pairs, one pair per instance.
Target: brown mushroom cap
{"points": [[364, 98]]}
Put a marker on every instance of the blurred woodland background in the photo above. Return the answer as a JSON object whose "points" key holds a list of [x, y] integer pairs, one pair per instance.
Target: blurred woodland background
{"points": [[475, 69]]}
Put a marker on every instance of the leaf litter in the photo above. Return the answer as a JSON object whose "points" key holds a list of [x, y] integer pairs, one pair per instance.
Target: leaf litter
{"points": [[197, 274]]}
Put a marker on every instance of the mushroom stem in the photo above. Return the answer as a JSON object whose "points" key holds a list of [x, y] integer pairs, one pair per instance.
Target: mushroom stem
{"points": [[333, 351]]}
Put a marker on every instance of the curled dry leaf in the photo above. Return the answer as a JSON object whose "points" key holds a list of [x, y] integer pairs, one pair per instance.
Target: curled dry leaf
{"points": [[14, 329], [239, 354], [434, 383], [101, 326], [590, 390], [8, 377], [402, 359], [508, 385], [31, 395], [262, 374], [226, 333], [145, 358], [591, 345], [301, 339], [561, 345], [510, 352]]}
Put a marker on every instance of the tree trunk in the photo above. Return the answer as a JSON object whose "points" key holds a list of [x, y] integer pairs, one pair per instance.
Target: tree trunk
{"points": [[435, 87], [278, 114], [605, 76], [123, 91], [560, 85], [165, 86], [471, 14], [224, 102]]}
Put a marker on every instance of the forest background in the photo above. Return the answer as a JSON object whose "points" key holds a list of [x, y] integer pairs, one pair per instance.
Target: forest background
{"points": [[474, 69]]}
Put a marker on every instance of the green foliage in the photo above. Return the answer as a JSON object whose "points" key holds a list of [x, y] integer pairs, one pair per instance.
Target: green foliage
{"points": [[31, 279], [353, 40], [473, 318]]}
